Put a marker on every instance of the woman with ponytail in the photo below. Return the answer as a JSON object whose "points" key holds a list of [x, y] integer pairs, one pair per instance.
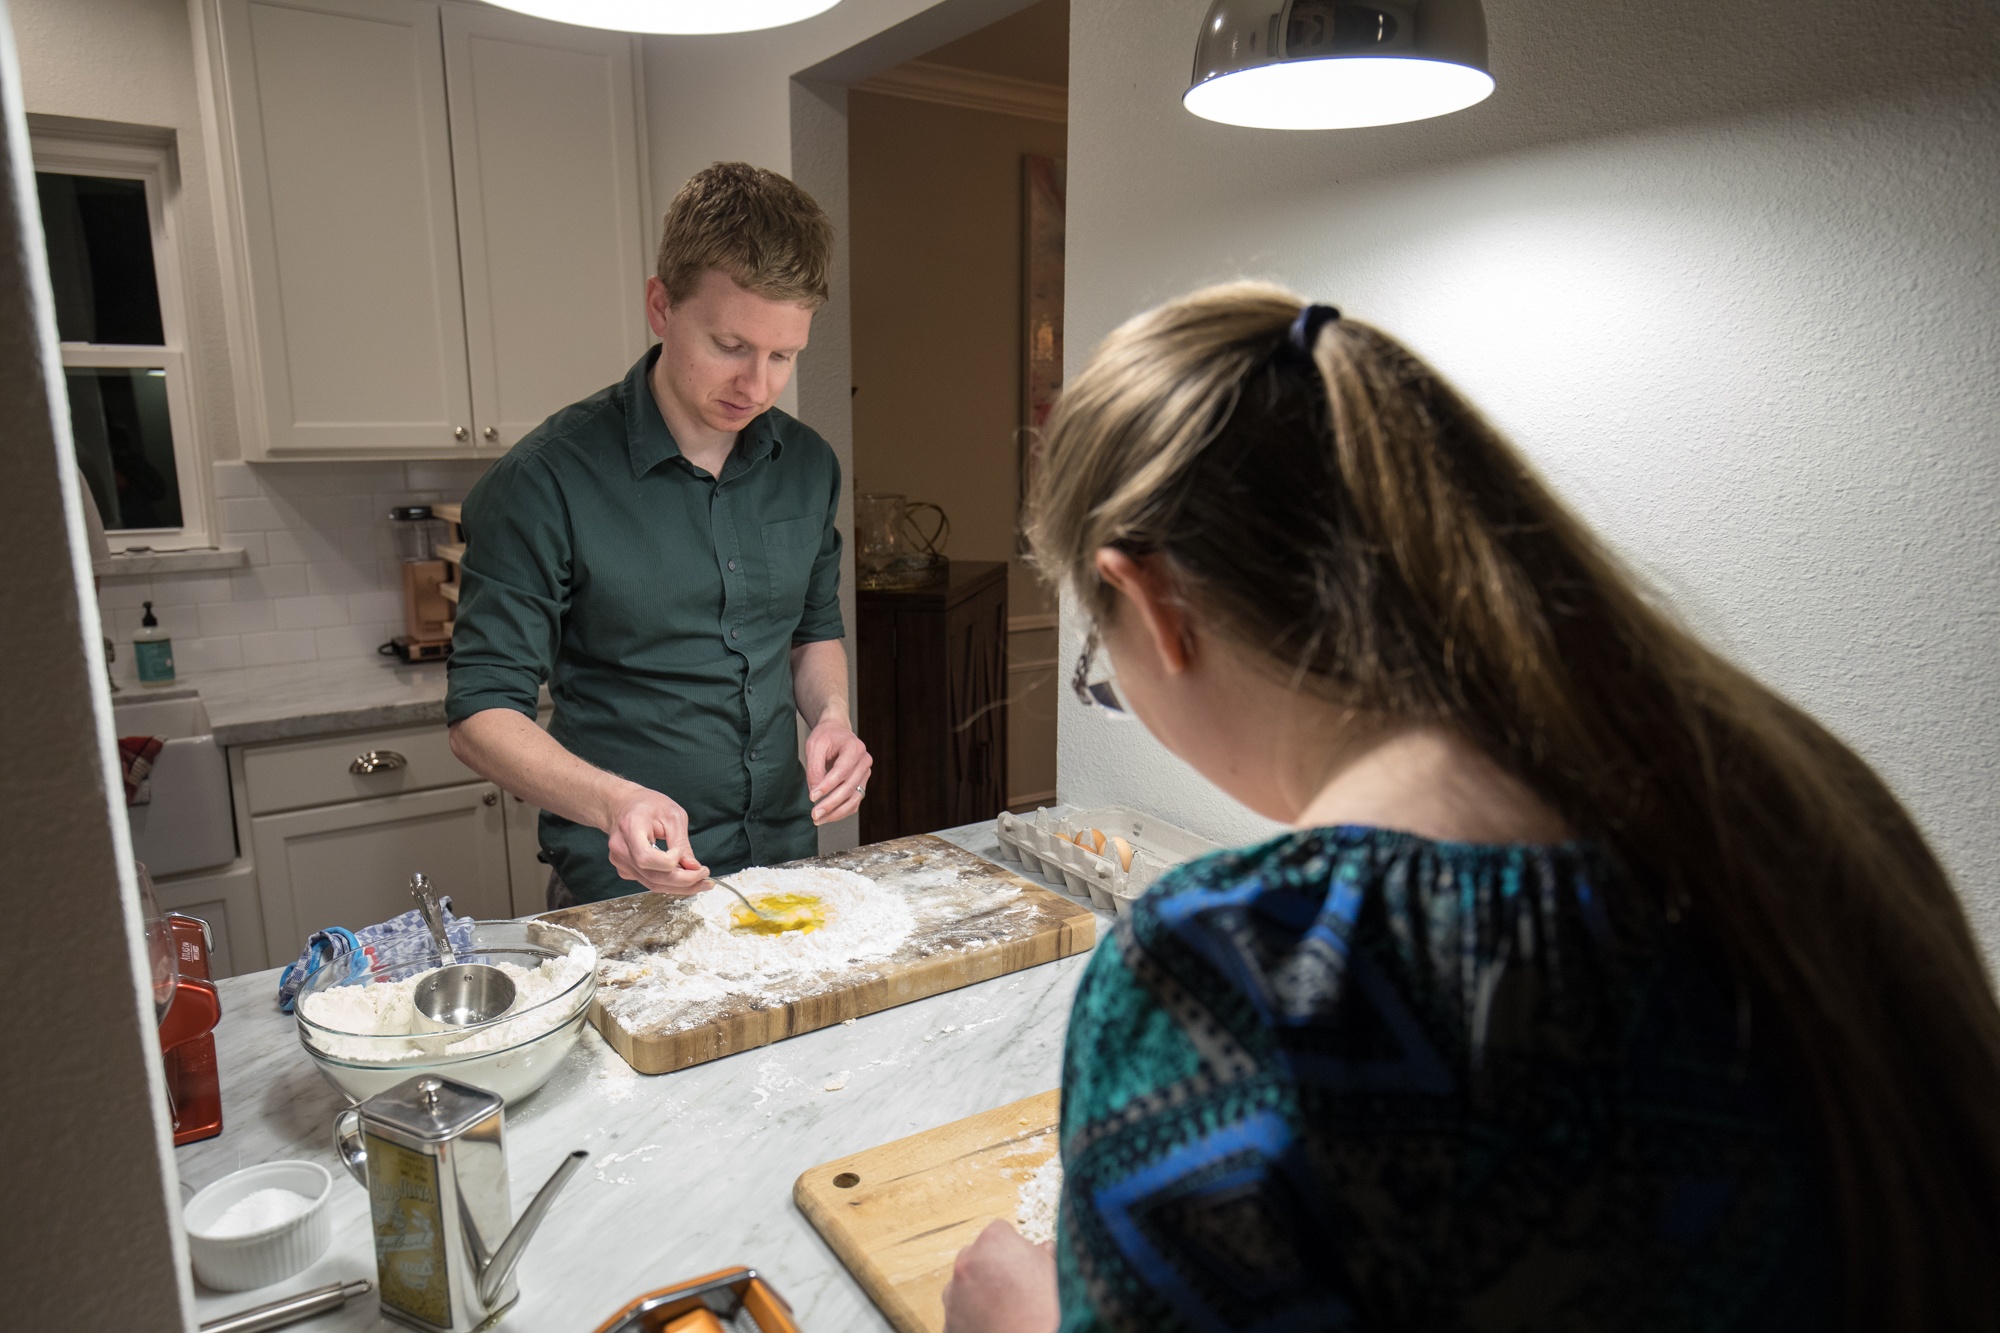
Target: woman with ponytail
{"points": [[1596, 986]]}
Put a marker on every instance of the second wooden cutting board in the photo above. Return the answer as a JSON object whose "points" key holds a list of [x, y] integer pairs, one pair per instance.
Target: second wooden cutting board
{"points": [[975, 921], [899, 1214]]}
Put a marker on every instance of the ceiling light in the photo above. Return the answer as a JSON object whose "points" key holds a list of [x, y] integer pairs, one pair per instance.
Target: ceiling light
{"points": [[1328, 65], [676, 16]]}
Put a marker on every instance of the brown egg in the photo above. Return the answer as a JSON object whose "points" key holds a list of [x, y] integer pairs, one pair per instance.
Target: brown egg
{"points": [[1096, 843], [1123, 851]]}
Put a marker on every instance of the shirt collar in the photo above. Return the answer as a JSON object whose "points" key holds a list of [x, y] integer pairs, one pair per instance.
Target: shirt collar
{"points": [[650, 443]]}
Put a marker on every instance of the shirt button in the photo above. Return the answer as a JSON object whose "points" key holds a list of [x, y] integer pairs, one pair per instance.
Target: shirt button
{"points": [[749, 689], [735, 633], [732, 566], [756, 754]]}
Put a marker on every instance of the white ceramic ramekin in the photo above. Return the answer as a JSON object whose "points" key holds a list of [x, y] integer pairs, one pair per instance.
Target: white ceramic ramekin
{"points": [[239, 1263]]}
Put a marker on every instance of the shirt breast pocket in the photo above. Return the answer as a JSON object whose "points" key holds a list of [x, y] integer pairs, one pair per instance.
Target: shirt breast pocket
{"points": [[790, 546]]}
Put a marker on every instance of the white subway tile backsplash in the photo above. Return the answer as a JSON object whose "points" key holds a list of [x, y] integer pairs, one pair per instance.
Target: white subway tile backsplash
{"points": [[236, 481], [446, 474], [190, 589], [329, 576], [368, 545], [257, 514], [236, 618], [224, 653], [383, 605], [269, 583], [279, 648], [255, 550], [354, 640], [324, 578], [312, 612], [117, 594], [335, 513]]}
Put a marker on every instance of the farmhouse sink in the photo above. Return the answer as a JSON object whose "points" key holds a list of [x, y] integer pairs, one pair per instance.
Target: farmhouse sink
{"points": [[188, 825]]}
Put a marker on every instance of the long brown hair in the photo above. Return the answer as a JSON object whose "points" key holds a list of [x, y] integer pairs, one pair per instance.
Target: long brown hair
{"points": [[1365, 529]]}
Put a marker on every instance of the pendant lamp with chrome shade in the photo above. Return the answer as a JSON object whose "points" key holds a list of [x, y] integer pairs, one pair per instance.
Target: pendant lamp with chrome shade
{"points": [[1328, 64], [674, 16]]}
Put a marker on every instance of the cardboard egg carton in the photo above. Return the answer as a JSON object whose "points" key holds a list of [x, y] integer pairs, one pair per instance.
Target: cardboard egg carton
{"points": [[1137, 849]]}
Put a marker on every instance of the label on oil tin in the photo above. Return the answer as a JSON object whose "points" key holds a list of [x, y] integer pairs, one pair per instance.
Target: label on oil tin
{"points": [[409, 1231]]}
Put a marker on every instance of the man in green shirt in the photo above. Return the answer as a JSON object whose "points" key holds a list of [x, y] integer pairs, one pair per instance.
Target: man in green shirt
{"points": [[663, 555]]}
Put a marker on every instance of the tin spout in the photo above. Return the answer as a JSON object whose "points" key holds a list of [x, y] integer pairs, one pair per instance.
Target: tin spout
{"points": [[494, 1271]]}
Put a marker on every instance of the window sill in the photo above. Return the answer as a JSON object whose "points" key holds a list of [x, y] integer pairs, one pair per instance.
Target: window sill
{"points": [[144, 564]]}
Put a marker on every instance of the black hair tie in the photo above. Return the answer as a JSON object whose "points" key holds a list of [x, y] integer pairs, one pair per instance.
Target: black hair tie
{"points": [[1306, 328]]}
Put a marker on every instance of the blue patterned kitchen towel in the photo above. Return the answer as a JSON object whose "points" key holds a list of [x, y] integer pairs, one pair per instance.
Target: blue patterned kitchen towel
{"points": [[356, 950]]}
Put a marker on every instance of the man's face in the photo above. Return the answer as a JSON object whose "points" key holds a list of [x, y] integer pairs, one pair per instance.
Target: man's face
{"points": [[726, 353]]}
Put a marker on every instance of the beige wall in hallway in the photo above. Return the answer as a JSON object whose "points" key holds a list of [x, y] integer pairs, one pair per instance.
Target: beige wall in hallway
{"points": [[935, 244]]}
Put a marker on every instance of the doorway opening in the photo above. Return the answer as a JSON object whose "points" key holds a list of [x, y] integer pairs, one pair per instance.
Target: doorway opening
{"points": [[955, 183]]}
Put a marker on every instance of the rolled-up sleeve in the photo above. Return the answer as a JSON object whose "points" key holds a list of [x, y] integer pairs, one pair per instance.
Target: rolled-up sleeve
{"points": [[514, 593], [820, 619]]}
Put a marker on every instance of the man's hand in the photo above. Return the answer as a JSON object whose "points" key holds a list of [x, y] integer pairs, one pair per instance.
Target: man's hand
{"points": [[837, 769], [1002, 1284], [637, 822]]}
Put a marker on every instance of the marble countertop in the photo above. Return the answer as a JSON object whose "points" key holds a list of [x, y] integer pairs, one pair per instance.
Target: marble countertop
{"points": [[275, 703], [689, 1172]]}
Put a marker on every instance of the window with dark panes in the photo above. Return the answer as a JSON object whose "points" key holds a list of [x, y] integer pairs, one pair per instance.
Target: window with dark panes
{"points": [[121, 350]]}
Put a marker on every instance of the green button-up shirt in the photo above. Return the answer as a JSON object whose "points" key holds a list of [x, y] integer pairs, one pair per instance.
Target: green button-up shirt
{"points": [[661, 605]]}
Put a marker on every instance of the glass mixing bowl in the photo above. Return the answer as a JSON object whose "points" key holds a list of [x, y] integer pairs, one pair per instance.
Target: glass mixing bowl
{"points": [[512, 1056]]}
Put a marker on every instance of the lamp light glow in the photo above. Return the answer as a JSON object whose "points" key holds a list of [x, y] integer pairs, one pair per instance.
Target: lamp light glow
{"points": [[1329, 64], [672, 16]]}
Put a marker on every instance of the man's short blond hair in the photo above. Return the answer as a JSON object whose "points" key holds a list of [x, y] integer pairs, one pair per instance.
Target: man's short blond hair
{"points": [[753, 225]]}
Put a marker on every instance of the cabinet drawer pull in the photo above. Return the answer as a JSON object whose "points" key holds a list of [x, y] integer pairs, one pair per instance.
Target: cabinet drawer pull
{"points": [[491, 798], [377, 761]]}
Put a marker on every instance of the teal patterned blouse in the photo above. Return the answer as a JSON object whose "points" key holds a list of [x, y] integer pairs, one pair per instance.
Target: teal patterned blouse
{"points": [[1357, 1079]]}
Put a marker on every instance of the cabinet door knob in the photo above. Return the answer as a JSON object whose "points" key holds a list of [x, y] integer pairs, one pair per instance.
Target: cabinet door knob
{"points": [[458, 432], [491, 798], [492, 432], [377, 761]]}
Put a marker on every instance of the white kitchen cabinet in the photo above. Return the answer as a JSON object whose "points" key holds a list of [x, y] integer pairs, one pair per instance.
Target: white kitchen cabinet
{"points": [[526, 872], [227, 900], [437, 221], [543, 138], [350, 864]]}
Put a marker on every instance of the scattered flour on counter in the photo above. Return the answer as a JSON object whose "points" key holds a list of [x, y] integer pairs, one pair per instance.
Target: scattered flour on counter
{"points": [[1041, 1198], [388, 1009], [257, 1211], [864, 923]]}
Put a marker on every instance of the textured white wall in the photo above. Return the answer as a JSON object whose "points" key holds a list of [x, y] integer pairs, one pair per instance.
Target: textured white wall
{"points": [[1730, 276]]}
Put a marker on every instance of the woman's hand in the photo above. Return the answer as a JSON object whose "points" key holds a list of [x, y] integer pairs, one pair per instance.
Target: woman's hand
{"points": [[1002, 1284]]}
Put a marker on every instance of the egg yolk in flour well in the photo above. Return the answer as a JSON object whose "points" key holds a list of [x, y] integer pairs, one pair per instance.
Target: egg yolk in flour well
{"points": [[802, 912]]}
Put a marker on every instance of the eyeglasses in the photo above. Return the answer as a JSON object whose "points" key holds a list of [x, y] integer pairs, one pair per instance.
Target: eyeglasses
{"points": [[1099, 690]]}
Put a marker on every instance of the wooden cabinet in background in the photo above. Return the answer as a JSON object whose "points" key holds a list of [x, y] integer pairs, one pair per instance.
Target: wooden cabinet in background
{"points": [[932, 668]]}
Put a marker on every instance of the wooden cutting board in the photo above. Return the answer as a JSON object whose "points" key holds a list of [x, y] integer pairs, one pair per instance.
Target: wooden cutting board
{"points": [[899, 1214], [975, 921]]}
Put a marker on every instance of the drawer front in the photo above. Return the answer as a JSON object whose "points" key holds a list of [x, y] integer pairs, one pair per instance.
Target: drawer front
{"points": [[352, 767]]}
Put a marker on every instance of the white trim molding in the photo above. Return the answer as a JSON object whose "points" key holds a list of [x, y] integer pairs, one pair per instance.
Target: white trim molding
{"points": [[948, 85]]}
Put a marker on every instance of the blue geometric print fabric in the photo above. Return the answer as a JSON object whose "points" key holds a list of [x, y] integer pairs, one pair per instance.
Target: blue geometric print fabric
{"points": [[1356, 1079]]}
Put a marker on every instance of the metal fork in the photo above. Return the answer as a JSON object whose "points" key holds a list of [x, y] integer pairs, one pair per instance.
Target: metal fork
{"points": [[761, 913]]}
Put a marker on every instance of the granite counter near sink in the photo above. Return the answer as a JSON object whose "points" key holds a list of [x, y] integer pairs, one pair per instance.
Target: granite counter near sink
{"points": [[255, 704]]}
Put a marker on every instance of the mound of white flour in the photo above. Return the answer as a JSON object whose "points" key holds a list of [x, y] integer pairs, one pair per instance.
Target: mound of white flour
{"points": [[864, 923], [1040, 1200]]}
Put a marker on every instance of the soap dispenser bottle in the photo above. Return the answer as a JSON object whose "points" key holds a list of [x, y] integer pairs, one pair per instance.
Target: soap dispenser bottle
{"points": [[153, 648]]}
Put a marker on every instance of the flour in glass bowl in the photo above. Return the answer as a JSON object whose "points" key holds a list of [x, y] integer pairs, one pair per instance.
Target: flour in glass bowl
{"points": [[388, 1008], [864, 923]]}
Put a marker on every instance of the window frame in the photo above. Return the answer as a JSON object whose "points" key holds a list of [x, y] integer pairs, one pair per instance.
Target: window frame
{"points": [[86, 148]]}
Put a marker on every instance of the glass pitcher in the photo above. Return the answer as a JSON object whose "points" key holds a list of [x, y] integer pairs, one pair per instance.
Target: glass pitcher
{"points": [[891, 550]]}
